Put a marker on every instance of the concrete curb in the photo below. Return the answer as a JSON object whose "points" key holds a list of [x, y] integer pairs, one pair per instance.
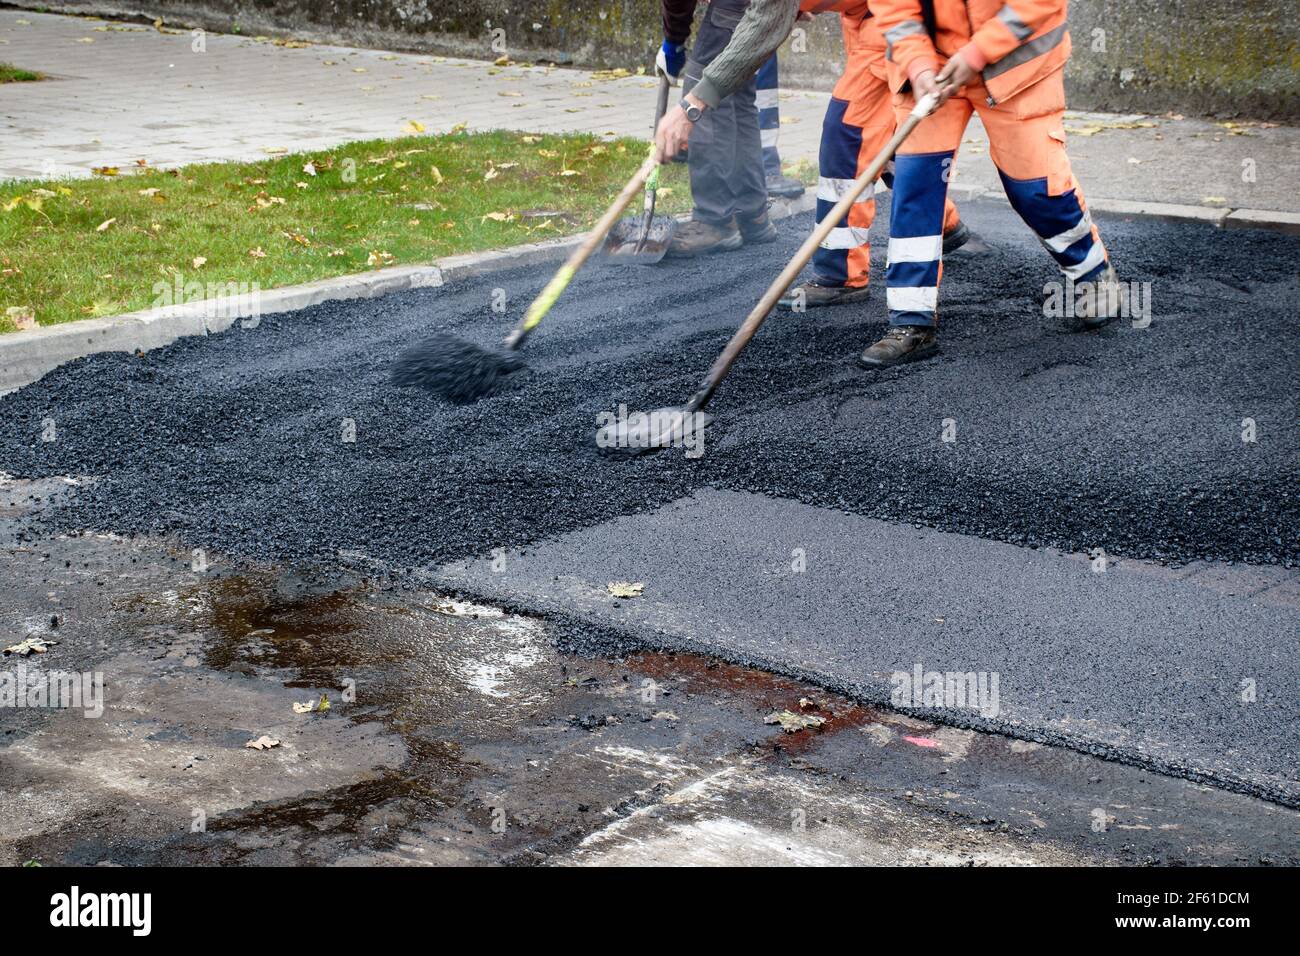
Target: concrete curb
{"points": [[26, 356]]}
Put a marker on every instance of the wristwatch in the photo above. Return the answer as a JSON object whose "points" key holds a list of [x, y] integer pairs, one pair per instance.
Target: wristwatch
{"points": [[693, 113]]}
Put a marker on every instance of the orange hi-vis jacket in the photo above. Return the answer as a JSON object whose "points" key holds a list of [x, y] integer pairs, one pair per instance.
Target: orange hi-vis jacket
{"points": [[1012, 45]]}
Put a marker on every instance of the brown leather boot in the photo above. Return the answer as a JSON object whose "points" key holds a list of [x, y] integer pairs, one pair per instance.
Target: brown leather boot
{"points": [[696, 238], [901, 344], [758, 230], [812, 295]]}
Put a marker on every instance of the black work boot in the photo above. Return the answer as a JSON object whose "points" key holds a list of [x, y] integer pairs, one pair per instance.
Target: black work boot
{"points": [[783, 187], [900, 345], [696, 238], [811, 295], [758, 230], [954, 240]]}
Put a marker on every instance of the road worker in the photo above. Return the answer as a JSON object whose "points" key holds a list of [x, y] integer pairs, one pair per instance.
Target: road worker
{"points": [[859, 121], [1004, 61]]}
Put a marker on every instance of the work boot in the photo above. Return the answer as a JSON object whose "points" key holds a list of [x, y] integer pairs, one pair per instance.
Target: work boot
{"points": [[783, 187], [696, 238], [758, 230], [901, 344], [954, 240], [813, 294], [1101, 299]]}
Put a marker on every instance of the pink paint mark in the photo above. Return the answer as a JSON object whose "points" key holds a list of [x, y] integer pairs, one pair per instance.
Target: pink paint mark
{"points": [[922, 741]]}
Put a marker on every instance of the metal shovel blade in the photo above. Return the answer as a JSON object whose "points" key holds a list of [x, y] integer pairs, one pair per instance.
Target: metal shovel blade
{"points": [[641, 433], [625, 244]]}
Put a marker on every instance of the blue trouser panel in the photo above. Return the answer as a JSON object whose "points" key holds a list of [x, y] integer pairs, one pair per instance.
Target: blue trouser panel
{"points": [[916, 237], [769, 115], [1060, 223], [725, 154], [837, 158]]}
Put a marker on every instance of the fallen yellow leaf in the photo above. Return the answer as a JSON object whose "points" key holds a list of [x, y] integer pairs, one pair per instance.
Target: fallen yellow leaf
{"points": [[24, 319]]}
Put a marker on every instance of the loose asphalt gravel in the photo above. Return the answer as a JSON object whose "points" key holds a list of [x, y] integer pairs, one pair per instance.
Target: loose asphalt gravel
{"points": [[1129, 439]]}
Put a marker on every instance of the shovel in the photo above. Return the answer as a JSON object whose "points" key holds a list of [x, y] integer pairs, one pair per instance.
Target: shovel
{"points": [[643, 432], [643, 240]]}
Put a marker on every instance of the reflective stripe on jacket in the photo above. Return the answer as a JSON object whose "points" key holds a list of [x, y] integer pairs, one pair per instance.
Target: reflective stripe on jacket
{"points": [[1012, 44]]}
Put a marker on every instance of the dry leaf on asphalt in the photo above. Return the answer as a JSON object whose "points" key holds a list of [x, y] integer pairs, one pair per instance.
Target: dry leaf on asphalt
{"points": [[105, 170], [262, 743], [625, 589], [793, 723], [414, 126], [33, 645]]}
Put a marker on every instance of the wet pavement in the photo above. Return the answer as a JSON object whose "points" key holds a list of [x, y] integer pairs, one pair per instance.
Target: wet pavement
{"points": [[1129, 441], [459, 734]]}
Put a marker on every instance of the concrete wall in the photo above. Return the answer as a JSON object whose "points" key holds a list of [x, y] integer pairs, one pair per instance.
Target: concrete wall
{"points": [[1200, 57]]}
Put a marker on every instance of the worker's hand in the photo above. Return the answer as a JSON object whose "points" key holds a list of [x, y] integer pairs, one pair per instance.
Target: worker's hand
{"points": [[955, 74], [674, 130], [925, 83], [670, 61]]}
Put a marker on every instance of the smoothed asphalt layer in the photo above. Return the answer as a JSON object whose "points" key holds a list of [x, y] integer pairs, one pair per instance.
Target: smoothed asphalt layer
{"points": [[1128, 440]]}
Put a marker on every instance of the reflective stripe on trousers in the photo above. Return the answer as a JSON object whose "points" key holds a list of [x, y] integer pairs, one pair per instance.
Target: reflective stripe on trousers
{"points": [[769, 115]]}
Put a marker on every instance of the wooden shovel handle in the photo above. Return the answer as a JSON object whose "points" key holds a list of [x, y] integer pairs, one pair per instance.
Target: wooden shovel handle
{"points": [[590, 243], [722, 364]]}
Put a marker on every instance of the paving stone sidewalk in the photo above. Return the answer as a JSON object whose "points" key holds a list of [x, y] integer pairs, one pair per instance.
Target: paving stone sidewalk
{"points": [[119, 92]]}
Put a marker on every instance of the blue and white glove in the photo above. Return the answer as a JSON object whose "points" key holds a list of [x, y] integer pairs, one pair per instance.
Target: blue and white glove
{"points": [[670, 61]]}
